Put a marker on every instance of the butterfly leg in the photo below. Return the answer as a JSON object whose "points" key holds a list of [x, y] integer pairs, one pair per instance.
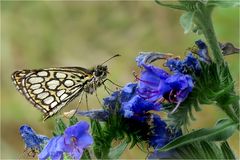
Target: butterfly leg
{"points": [[107, 89], [112, 83], [86, 97], [80, 101], [98, 98]]}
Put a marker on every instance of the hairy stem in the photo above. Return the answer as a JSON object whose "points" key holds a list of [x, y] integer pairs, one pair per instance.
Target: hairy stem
{"points": [[204, 21]]}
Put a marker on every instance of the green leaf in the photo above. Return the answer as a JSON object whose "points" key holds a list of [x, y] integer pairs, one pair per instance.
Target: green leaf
{"points": [[224, 129], [117, 151], [73, 120], [186, 21], [60, 127], [226, 3], [173, 6], [210, 151], [227, 151], [199, 150], [86, 155]]}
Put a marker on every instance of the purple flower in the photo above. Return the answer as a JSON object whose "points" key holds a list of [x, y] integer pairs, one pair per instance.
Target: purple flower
{"points": [[159, 136], [152, 85], [75, 139], [137, 108], [181, 85], [124, 95], [128, 91], [175, 64], [32, 140], [96, 114], [112, 100], [141, 59], [54, 149], [203, 51], [189, 64], [149, 57], [156, 85]]}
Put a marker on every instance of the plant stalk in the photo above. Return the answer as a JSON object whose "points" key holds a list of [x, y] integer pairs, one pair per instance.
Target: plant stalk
{"points": [[204, 21]]}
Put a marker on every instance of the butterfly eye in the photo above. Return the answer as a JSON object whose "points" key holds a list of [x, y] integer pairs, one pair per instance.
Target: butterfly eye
{"points": [[98, 73]]}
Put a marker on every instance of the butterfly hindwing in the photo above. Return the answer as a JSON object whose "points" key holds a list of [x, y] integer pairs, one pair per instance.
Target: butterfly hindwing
{"points": [[51, 89]]}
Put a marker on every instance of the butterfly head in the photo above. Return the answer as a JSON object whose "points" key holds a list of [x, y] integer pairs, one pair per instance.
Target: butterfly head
{"points": [[101, 71]]}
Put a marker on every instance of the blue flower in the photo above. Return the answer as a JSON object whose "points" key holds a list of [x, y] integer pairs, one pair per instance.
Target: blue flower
{"points": [[124, 95], [152, 85], [181, 85], [203, 51], [128, 91], [137, 108], [159, 135], [32, 140], [54, 149], [190, 63], [156, 85], [175, 64], [75, 139], [149, 57], [141, 59], [162, 139], [112, 100], [95, 114]]}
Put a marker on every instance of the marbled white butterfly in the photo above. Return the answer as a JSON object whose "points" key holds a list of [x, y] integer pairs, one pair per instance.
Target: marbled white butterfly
{"points": [[49, 90]]}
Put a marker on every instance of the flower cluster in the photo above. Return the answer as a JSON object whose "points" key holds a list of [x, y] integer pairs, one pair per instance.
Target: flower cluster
{"points": [[156, 86], [137, 104]]}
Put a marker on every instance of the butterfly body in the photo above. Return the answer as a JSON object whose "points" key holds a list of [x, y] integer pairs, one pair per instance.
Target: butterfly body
{"points": [[51, 89]]}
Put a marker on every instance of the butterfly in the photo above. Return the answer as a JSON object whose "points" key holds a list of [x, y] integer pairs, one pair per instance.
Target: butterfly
{"points": [[49, 90]]}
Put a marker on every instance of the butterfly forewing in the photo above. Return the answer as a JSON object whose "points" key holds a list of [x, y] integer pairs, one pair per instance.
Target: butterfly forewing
{"points": [[51, 89]]}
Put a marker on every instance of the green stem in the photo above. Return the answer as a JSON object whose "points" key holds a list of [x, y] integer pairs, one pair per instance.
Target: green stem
{"points": [[204, 21]]}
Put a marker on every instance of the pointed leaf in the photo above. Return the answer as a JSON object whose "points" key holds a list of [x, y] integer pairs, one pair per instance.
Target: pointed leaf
{"points": [[116, 152], [86, 155], [73, 120], [232, 3], [224, 129], [174, 6], [227, 151], [60, 127]]}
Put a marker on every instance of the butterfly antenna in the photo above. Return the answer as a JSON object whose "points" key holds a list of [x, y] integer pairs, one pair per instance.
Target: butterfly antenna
{"points": [[116, 55]]}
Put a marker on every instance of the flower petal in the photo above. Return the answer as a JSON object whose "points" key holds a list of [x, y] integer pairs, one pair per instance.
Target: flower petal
{"points": [[152, 84], [76, 131], [52, 149], [128, 91]]}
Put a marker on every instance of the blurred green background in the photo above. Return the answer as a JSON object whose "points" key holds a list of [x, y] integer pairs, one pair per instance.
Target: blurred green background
{"points": [[50, 34]]}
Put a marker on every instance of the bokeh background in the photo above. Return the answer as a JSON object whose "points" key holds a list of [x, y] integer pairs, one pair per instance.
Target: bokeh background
{"points": [[49, 34]]}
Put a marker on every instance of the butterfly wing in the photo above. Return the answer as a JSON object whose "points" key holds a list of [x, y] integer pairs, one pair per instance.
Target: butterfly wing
{"points": [[51, 89]]}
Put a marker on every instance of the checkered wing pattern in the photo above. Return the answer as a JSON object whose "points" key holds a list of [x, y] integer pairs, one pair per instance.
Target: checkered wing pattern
{"points": [[51, 89]]}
